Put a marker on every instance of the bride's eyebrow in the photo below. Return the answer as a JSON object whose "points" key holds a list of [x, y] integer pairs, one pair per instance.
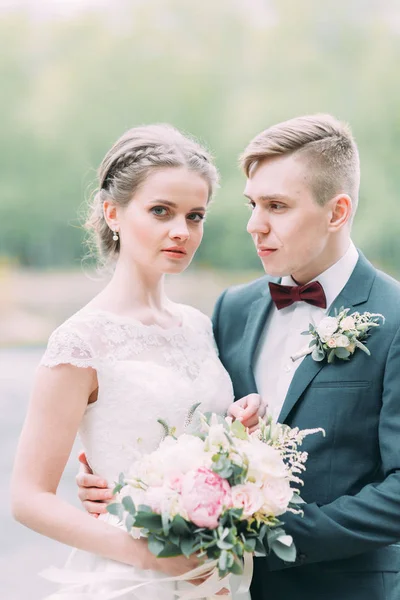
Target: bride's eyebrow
{"points": [[173, 205]]}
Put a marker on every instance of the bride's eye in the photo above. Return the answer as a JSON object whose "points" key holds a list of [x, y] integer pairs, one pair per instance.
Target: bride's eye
{"points": [[196, 217], [159, 211], [250, 204]]}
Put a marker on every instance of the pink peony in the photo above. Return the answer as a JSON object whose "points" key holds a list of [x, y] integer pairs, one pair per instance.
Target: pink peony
{"points": [[204, 496]]}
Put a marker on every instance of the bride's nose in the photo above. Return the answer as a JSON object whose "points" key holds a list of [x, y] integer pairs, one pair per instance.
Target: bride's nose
{"points": [[179, 231]]}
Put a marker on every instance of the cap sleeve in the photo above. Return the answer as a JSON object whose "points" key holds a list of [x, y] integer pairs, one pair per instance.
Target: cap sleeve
{"points": [[69, 345]]}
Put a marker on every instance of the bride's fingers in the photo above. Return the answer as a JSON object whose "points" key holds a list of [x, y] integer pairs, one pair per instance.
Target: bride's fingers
{"points": [[95, 508], [87, 480], [94, 495]]}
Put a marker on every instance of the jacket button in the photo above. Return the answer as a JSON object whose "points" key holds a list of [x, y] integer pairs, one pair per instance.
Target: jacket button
{"points": [[301, 558]]}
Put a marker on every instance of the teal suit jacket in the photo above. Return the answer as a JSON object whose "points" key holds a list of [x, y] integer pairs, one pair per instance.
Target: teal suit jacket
{"points": [[351, 521]]}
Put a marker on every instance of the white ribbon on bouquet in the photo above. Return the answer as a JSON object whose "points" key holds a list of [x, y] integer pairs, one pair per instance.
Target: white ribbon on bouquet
{"points": [[208, 589]]}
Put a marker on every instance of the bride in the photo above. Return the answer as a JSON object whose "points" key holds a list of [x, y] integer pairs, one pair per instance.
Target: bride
{"points": [[129, 357]]}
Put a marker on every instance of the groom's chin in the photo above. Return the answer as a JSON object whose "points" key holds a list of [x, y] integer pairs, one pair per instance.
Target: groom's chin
{"points": [[274, 271]]}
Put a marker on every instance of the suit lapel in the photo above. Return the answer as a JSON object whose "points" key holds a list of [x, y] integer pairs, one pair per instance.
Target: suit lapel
{"points": [[254, 326], [355, 292]]}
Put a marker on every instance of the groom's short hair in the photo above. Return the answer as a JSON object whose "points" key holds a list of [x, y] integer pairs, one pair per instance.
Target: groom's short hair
{"points": [[328, 148]]}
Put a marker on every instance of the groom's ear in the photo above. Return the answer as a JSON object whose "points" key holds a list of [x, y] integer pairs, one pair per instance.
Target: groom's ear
{"points": [[340, 212]]}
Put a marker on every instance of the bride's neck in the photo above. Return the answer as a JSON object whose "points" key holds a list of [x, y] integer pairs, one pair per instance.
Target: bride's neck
{"points": [[132, 288]]}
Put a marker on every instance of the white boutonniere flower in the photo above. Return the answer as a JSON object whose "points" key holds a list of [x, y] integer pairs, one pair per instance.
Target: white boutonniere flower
{"points": [[340, 336]]}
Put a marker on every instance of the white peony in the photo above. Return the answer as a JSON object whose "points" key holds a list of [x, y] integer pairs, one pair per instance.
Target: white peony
{"points": [[173, 456], [264, 461], [342, 341], [327, 328]]}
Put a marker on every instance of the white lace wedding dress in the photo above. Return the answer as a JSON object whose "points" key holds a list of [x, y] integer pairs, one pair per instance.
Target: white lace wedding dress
{"points": [[144, 373]]}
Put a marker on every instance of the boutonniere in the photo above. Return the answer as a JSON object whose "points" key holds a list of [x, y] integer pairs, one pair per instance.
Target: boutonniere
{"points": [[340, 336]]}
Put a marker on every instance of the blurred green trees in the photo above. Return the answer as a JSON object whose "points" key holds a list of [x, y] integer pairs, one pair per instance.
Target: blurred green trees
{"points": [[221, 70]]}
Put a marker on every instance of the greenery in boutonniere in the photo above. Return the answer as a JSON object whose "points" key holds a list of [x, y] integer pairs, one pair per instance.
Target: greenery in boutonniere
{"points": [[340, 336]]}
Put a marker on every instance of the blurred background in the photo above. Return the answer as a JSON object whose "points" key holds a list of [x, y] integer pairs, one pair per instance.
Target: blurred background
{"points": [[76, 73]]}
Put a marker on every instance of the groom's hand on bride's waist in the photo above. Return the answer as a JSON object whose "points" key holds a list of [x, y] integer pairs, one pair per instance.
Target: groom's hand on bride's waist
{"points": [[93, 491]]}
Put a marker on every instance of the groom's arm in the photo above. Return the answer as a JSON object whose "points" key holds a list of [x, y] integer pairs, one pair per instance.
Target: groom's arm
{"points": [[353, 525]]}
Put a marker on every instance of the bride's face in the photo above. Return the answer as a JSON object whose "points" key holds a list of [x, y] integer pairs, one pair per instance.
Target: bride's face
{"points": [[162, 226]]}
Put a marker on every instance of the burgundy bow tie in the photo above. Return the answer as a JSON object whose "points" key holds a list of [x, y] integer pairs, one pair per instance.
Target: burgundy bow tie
{"points": [[285, 295]]}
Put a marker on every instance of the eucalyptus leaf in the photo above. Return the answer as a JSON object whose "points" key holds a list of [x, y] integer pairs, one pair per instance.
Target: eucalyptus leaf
{"points": [[170, 550], [155, 545], [152, 522], [342, 353], [318, 354], [284, 552], [129, 522], [236, 568], [116, 509], [331, 356], [223, 560], [129, 505], [180, 526], [187, 546]]}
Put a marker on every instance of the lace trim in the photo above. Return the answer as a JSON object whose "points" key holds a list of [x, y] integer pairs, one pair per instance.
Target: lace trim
{"points": [[68, 347]]}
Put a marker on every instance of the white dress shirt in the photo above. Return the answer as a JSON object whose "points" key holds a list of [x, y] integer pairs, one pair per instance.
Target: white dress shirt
{"points": [[281, 338]]}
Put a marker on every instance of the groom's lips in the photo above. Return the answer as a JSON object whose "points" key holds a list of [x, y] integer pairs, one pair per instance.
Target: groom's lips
{"points": [[264, 251]]}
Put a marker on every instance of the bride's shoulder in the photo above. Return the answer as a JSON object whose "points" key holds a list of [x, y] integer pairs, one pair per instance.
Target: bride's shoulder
{"points": [[75, 341], [195, 317]]}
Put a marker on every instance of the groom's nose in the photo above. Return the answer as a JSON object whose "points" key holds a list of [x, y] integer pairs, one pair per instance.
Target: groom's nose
{"points": [[258, 222]]}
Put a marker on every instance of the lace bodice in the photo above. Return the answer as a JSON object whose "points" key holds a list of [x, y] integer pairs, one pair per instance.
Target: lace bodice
{"points": [[144, 373]]}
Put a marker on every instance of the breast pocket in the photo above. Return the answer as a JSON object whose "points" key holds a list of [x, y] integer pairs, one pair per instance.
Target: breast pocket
{"points": [[341, 384]]}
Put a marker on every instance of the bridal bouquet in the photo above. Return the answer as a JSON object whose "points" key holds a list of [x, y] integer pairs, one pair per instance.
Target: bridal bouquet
{"points": [[218, 492]]}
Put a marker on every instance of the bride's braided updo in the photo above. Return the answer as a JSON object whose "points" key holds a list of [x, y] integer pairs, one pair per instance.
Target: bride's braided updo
{"points": [[137, 153]]}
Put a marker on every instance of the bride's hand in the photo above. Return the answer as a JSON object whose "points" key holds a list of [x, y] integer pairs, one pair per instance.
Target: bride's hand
{"points": [[248, 410], [178, 566], [93, 491]]}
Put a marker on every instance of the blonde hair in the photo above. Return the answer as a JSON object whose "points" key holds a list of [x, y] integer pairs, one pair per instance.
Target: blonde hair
{"points": [[328, 148], [133, 157]]}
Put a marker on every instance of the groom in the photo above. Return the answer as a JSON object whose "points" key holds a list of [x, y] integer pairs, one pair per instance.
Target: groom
{"points": [[302, 187]]}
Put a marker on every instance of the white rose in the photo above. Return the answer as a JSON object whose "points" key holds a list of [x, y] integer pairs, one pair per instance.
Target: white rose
{"points": [[327, 328], [342, 341], [347, 324], [249, 497], [277, 495], [331, 343]]}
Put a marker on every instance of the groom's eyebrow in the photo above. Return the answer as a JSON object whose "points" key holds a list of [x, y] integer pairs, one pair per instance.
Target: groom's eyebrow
{"points": [[269, 197]]}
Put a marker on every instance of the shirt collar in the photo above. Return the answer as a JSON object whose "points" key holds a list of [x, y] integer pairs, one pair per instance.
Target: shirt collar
{"points": [[335, 278]]}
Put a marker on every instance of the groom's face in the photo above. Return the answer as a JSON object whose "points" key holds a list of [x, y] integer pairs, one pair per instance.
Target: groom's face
{"points": [[289, 228]]}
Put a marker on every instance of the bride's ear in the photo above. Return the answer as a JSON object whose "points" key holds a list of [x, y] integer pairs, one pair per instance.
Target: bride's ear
{"points": [[111, 214], [341, 209]]}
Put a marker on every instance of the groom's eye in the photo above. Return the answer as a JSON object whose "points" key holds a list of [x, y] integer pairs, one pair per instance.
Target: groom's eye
{"points": [[250, 204], [277, 205]]}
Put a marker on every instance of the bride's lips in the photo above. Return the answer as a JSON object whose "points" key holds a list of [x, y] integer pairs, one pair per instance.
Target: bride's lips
{"points": [[175, 252], [264, 251]]}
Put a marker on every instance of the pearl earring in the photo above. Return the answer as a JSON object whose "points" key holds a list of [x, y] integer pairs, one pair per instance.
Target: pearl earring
{"points": [[115, 236]]}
